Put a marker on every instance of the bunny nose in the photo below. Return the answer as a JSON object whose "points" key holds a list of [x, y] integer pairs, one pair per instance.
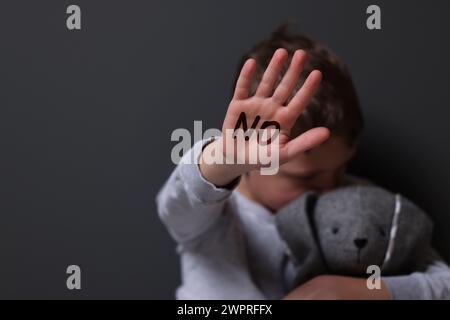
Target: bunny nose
{"points": [[360, 243]]}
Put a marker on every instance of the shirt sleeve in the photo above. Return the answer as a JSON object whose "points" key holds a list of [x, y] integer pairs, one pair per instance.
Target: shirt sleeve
{"points": [[188, 204], [433, 283]]}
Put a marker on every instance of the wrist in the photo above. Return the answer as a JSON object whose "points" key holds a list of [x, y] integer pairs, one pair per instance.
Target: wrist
{"points": [[219, 174]]}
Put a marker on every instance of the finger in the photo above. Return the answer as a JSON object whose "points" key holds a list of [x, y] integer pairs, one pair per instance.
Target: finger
{"points": [[272, 73], [242, 89], [306, 92], [284, 89], [306, 141]]}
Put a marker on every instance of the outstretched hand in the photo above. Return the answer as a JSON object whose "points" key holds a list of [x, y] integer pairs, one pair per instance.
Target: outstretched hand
{"points": [[267, 105], [268, 102]]}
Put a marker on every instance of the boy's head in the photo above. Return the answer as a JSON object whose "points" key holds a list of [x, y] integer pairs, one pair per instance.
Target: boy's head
{"points": [[335, 106]]}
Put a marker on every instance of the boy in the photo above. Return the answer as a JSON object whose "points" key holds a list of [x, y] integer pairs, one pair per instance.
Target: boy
{"points": [[222, 215]]}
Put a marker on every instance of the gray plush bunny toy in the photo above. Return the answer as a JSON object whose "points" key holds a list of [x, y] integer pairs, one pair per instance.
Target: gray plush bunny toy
{"points": [[344, 231]]}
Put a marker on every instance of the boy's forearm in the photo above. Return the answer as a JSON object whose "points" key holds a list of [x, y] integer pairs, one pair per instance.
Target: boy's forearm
{"points": [[188, 204], [331, 287], [433, 283]]}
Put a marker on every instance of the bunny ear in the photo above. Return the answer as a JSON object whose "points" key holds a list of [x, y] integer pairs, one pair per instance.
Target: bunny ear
{"points": [[410, 235], [294, 224]]}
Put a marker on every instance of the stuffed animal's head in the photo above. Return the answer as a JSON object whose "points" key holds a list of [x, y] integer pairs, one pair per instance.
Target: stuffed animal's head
{"points": [[351, 228]]}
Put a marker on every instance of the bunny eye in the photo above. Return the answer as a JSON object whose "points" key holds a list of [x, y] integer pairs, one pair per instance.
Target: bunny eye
{"points": [[382, 232], [335, 230]]}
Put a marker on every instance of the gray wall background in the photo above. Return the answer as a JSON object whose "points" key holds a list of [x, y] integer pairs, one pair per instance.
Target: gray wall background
{"points": [[86, 118]]}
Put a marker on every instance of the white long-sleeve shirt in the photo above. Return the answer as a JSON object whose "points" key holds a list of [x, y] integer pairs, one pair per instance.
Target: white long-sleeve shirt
{"points": [[230, 248]]}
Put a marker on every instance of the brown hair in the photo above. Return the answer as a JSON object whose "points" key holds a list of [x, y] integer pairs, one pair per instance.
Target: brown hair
{"points": [[335, 104]]}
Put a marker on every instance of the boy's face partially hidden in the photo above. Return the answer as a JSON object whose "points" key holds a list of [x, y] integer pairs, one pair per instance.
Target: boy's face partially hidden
{"points": [[320, 169]]}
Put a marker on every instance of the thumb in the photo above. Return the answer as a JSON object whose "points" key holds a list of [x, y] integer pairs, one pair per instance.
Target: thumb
{"points": [[306, 141]]}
